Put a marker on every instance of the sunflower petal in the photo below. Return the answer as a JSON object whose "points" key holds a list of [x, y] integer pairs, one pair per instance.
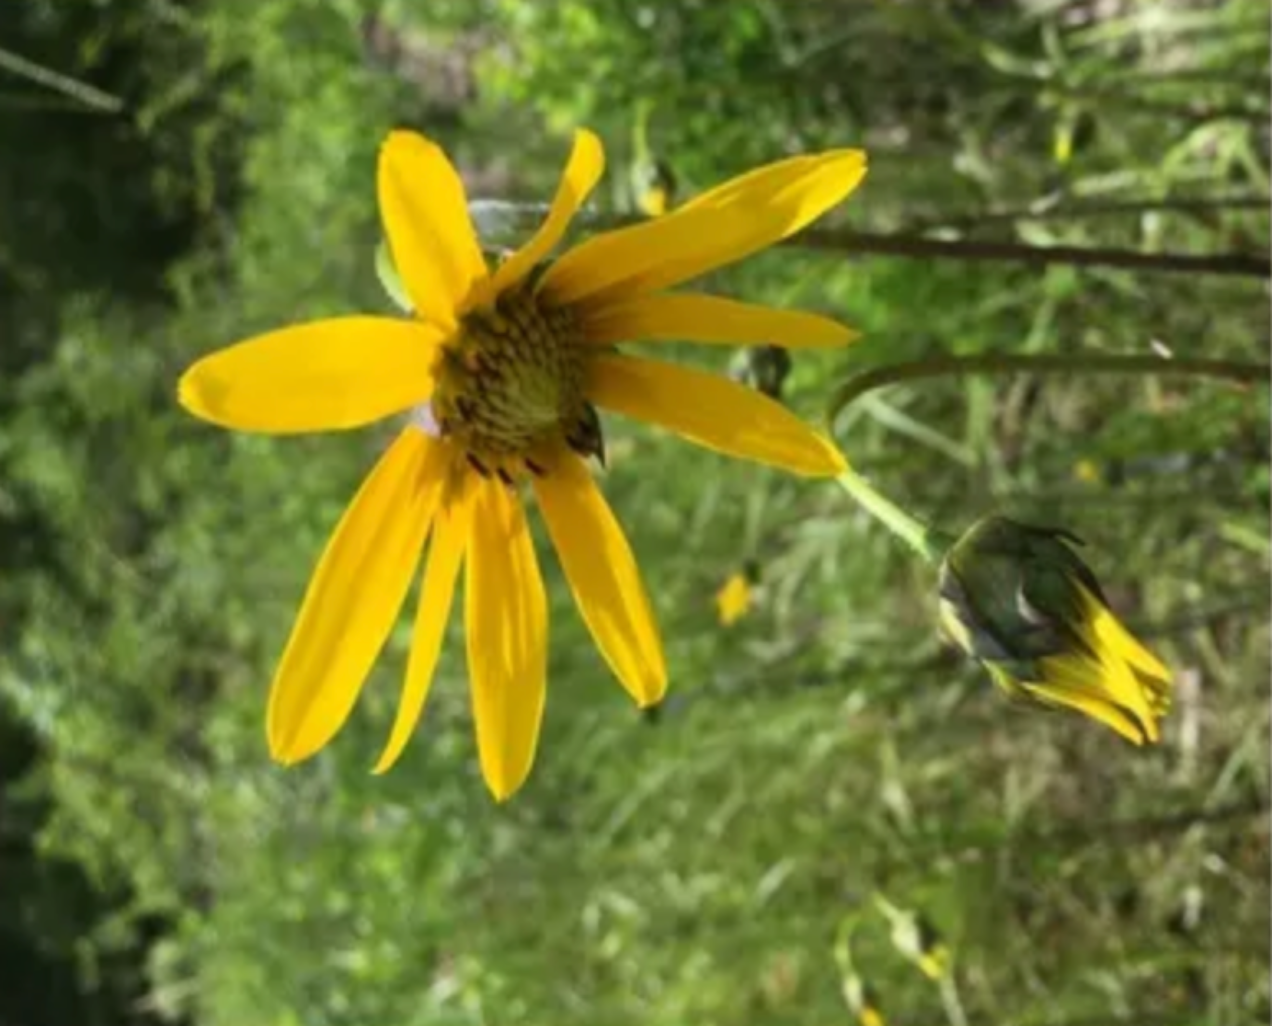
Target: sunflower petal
{"points": [[582, 172], [321, 376], [445, 553], [712, 319], [731, 189], [1105, 690], [506, 616], [732, 221], [353, 598], [604, 577], [1109, 632], [431, 238], [1089, 705], [712, 411]]}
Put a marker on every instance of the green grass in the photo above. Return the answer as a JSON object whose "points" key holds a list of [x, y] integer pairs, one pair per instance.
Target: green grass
{"points": [[697, 866]]}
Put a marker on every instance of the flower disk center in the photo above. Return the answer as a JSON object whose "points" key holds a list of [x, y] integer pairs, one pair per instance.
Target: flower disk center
{"points": [[511, 385]]}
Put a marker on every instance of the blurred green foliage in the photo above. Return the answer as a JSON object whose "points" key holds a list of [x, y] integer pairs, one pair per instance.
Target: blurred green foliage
{"points": [[697, 865]]}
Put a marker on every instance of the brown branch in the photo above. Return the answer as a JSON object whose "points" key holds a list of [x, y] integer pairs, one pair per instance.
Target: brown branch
{"points": [[917, 247], [1055, 209]]}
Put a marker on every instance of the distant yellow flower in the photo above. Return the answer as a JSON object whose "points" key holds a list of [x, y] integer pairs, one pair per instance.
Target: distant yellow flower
{"points": [[1087, 471], [1019, 600], [733, 600], [503, 369]]}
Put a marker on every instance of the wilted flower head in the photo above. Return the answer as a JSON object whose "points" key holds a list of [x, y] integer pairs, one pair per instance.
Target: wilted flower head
{"points": [[1020, 601]]}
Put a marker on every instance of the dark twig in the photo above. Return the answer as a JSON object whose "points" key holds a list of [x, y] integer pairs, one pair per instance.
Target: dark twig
{"points": [[86, 94], [913, 246], [1056, 209]]}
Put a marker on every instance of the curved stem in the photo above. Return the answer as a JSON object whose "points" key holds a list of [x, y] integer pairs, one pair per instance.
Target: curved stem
{"points": [[924, 539], [1007, 363]]}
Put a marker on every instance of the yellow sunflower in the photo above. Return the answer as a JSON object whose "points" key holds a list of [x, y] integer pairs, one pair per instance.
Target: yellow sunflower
{"points": [[502, 371]]}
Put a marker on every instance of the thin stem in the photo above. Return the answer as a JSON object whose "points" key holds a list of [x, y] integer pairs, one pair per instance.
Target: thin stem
{"points": [[1077, 363], [86, 94], [951, 1001], [1238, 264], [1055, 208], [922, 538]]}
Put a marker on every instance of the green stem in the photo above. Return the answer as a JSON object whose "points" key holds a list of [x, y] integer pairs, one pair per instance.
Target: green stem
{"points": [[925, 540], [1006, 363]]}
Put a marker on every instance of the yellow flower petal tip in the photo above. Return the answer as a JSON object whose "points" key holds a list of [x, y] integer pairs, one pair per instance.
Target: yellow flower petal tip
{"points": [[502, 792], [282, 759], [285, 747], [653, 689], [404, 141], [201, 392]]}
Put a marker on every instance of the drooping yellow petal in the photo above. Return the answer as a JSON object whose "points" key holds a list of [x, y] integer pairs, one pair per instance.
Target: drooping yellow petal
{"points": [[712, 411], [354, 598], [506, 618], [604, 577], [1109, 632], [696, 318], [1105, 690], [582, 172], [739, 218], [1095, 708], [425, 213], [451, 525], [320, 376]]}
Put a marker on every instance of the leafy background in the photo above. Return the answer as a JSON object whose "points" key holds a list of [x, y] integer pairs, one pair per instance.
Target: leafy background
{"points": [[695, 866]]}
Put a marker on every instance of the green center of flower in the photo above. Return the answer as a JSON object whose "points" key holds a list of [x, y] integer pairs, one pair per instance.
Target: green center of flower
{"points": [[510, 388]]}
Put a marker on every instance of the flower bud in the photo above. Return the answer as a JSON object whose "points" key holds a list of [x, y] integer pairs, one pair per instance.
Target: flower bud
{"points": [[1019, 600]]}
